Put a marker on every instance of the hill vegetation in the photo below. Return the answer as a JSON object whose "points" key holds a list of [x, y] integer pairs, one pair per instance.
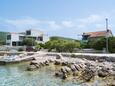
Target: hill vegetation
{"points": [[62, 38]]}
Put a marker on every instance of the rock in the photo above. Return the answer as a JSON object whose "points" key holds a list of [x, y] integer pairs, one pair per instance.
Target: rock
{"points": [[73, 68], [110, 84], [31, 68], [87, 64], [103, 72], [37, 65], [63, 70], [57, 74], [33, 58], [75, 73], [42, 63], [33, 62], [58, 57], [57, 62], [46, 62], [67, 69], [64, 76], [65, 63], [113, 68], [88, 73], [50, 60], [77, 67]]}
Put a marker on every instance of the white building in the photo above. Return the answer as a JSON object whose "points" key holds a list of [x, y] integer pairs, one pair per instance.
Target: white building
{"points": [[15, 39]]}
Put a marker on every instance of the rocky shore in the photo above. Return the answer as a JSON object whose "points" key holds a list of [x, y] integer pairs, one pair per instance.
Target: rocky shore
{"points": [[84, 68]]}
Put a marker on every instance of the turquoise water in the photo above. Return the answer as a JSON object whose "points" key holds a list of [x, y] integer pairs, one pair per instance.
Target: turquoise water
{"points": [[16, 75]]}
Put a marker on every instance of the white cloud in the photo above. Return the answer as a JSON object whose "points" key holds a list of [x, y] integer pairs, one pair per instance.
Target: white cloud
{"points": [[67, 24], [92, 19], [52, 25], [22, 22], [29, 22]]}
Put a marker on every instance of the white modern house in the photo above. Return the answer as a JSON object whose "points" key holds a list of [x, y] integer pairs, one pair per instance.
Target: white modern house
{"points": [[15, 39]]}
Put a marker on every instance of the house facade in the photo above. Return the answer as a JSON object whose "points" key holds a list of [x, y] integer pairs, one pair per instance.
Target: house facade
{"points": [[15, 39], [95, 35]]}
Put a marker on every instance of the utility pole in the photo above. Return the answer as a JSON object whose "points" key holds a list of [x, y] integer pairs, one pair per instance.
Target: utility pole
{"points": [[107, 51]]}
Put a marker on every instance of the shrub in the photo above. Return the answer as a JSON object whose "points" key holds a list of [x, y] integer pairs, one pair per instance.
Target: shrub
{"points": [[29, 42], [20, 49], [111, 44], [62, 45], [99, 44], [37, 47]]}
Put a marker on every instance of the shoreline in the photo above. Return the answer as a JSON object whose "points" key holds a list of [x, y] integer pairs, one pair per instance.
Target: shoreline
{"points": [[77, 66]]}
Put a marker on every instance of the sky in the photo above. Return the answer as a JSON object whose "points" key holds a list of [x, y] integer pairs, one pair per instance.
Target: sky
{"points": [[67, 18]]}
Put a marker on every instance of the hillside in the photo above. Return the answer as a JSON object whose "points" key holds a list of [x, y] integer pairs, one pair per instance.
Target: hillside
{"points": [[62, 38]]}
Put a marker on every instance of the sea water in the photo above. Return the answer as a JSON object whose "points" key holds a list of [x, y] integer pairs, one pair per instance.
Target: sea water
{"points": [[17, 75]]}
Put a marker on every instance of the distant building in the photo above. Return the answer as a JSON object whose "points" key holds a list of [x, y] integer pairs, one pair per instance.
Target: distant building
{"points": [[15, 39], [97, 34]]}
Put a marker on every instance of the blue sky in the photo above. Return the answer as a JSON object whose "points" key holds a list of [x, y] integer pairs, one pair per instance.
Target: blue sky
{"points": [[68, 18]]}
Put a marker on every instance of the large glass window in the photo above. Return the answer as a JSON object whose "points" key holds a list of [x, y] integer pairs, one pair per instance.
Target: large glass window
{"points": [[28, 32], [8, 37], [40, 38], [85, 37], [13, 43]]}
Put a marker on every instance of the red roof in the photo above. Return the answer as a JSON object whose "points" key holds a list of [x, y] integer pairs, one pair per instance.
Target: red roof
{"points": [[98, 33]]}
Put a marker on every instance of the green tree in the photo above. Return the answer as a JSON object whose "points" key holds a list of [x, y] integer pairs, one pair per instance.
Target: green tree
{"points": [[37, 47], [111, 44], [99, 44], [62, 45], [29, 42]]}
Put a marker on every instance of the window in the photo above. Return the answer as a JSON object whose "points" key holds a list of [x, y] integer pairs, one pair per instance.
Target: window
{"points": [[40, 38], [8, 37], [85, 37], [20, 44], [13, 43], [28, 32], [21, 38]]}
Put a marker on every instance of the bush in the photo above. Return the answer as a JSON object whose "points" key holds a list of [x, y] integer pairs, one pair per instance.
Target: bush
{"points": [[111, 44], [29, 42], [37, 47], [101, 43], [62, 45], [20, 49]]}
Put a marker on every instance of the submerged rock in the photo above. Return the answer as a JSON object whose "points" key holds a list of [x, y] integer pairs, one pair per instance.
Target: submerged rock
{"points": [[31, 68], [64, 76], [58, 74], [46, 62]]}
